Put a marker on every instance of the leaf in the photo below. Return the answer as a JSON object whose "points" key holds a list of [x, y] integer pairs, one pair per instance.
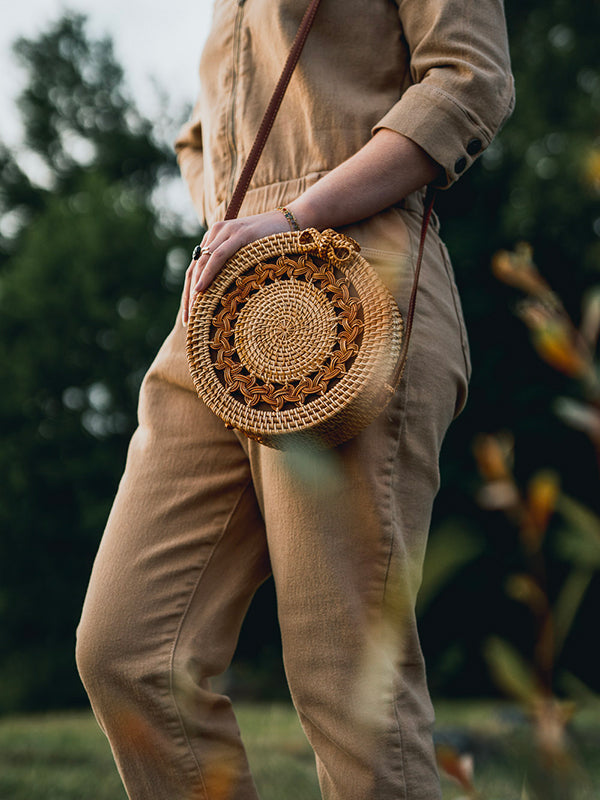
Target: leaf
{"points": [[516, 268], [511, 672], [580, 515], [555, 339], [494, 455], [584, 696], [449, 549], [542, 496], [523, 588], [579, 543], [591, 169], [567, 604], [581, 416], [458, 766], [590, 320], [499, 496]]}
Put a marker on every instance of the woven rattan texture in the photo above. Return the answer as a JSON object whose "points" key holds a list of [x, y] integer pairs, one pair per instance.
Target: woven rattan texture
{"points": [[295, 340], [283, 332]]}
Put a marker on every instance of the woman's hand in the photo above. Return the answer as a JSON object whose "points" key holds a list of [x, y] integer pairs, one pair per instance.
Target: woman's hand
{"points": [[381, 173], [220, 242]]}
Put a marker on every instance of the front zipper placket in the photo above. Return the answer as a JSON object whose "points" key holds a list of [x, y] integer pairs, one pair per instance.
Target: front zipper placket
{"points": [[231, 128]]}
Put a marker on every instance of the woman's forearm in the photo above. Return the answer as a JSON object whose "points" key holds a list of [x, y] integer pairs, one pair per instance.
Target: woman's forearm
{"points": [[385, 170]]}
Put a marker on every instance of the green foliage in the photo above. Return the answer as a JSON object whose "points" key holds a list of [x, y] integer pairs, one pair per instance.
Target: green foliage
{"points": [[535, 183], [85, 301], [66, 756], [510, 670], [60, 757], [530, 184], [75, 107]]}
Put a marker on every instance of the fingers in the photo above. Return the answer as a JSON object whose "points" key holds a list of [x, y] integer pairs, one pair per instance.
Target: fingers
{"points": [[191, 278], [211, 263], [185, 300], [195, 280], [219, 244]]}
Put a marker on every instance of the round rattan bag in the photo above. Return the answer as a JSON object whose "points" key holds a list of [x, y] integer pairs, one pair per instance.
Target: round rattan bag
{"points": [[296, 341]]}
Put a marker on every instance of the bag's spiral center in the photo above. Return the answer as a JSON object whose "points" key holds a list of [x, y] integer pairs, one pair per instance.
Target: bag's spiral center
{"points": [[285, 331]]}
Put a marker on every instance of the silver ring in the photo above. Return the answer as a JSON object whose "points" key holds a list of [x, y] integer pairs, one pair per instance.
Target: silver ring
{"points": [[206, 251], [197, 253]]}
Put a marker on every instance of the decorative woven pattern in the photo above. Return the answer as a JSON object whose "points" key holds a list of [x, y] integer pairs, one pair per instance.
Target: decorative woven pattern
{"points": [[295, 340]]}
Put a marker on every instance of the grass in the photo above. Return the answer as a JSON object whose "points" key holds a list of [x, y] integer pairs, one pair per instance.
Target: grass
{"points": [[66, 757]]}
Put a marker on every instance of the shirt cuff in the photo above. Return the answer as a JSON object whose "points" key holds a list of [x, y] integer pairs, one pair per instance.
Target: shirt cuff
{"points": [[436, 122]]}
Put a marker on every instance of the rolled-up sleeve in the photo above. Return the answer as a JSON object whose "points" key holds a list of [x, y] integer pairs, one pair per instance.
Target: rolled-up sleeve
{"points": [[190, 157], [462, 88]]}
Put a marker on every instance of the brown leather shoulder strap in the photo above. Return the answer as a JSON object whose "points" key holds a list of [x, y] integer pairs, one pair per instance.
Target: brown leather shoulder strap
{"points": [[269, 118], [261, 137], [428, 201]]}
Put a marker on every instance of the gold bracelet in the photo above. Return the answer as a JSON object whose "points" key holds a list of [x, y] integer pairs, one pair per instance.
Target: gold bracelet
{"points": [[292, 221]]}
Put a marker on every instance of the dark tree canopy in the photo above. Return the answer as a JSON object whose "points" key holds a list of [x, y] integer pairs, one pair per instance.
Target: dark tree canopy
{"points": [[88, 289]]}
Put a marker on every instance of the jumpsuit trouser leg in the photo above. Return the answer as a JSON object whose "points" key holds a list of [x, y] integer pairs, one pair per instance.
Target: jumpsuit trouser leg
{"points": [[203, 516]]}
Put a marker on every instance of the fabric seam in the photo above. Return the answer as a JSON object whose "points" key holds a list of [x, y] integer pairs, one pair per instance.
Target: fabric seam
{"points": [[305, 716], [390, 479], [463, 110], [180, 626], [391, 550], [458, 312], [403, 408]]}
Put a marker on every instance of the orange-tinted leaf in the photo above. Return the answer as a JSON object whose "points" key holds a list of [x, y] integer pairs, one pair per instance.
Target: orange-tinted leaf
{"points": [[517, 269], [544, 489], [456, 765], [560, 351], [493, 453], [542, 497], [591, 169]]}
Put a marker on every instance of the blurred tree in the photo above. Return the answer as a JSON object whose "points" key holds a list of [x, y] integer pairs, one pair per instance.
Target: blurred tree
{"points": [[89, 282]]}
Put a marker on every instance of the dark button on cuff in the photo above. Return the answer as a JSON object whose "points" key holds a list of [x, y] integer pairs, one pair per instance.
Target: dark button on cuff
{"points": [[474, 146], [460, 164]]}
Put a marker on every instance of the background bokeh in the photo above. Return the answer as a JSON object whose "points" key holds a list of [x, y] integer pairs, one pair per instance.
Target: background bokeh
{"points": [[94, 239]]}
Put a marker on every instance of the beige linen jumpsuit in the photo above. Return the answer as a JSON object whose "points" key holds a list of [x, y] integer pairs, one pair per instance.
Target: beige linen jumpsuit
{"points": [[203, 516]]}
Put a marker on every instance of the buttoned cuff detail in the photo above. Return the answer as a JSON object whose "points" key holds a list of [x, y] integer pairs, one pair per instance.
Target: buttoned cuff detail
{"points": [[436, 122]]}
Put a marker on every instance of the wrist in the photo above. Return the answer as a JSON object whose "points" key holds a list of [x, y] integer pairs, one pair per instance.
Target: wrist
{"points": [[305, 213], [290, 217]]}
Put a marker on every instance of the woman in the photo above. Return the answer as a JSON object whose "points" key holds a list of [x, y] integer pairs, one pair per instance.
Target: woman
{"points": [[388, 96]]}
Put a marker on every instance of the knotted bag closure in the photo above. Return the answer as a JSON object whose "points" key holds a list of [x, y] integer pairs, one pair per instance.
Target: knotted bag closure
{"points": [[330, 246]]}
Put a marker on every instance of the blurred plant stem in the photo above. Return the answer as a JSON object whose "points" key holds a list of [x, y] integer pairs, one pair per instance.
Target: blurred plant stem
{"points": [[553, 773]]}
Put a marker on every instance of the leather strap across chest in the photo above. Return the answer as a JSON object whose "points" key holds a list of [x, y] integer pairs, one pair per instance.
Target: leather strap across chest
{"points": [[259, 143]]}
